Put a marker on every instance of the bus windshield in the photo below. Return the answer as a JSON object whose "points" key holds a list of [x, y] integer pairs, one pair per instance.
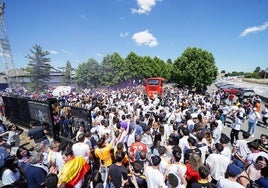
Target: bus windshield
{"points": [[153, 81]]}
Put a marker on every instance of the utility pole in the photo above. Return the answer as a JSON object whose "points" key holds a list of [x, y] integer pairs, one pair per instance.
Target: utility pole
{"points": [[10, 69]]}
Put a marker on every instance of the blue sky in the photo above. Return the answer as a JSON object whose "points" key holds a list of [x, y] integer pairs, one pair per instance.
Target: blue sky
{"points": [[234, 31]]}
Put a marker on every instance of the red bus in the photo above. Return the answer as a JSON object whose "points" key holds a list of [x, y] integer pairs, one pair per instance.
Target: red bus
{"points": [[154, 86]]}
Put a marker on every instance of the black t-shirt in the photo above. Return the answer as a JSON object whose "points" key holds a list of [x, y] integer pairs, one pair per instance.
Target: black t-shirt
{"points": [[141, 180], [115, 173], [202, 185], [37, 134], [189, 152]]}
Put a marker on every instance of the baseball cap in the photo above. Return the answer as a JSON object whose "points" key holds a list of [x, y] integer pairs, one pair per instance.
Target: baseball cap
{"points": [[234, 170]]}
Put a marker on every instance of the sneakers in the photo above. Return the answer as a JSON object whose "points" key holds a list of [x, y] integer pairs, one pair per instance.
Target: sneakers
{"points": [[252, 136]]}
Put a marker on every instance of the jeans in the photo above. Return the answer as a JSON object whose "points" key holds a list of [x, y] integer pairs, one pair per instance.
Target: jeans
{"points": [[251, 128], [234, 135]]}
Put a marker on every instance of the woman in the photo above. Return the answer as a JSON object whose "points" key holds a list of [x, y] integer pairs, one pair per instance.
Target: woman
{"points": [[11, 173], [192, 174], [254, 170]]}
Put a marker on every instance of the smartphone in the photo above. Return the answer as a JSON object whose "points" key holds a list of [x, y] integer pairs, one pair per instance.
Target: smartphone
{"points": [[124, 174]]}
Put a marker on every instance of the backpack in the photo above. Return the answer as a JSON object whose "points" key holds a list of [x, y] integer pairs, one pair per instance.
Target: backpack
{"points": [[252, 184]]}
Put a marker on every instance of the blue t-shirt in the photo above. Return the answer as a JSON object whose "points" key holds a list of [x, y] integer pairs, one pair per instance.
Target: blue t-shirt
{"points": [[35, 176]]}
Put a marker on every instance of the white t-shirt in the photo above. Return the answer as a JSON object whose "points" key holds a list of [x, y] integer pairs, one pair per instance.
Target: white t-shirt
{"points": [[174, 170], [224, 183], [242, 148], [81, 149], [10, 177], [227, 152], [218, 164], [154, 177]]}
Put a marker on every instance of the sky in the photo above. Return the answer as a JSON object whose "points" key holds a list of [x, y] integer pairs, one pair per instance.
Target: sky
{"points": [[234, 31]]}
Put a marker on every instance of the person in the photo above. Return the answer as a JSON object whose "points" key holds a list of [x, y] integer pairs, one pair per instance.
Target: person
{"points": [[253, 118], [13, 138], [177, 166], [4, 152], [264, 143], [264, 114], [217, 163], [255, 152], [153, 175], [224, 140], [192, 149], [51, 181], [80, 148], [136, 147], [241, 150], [204, 182], [35, 171], [38, 133], [254, 170], [11, 174], [116, 170], [137, 172], [230, 177], [3, 128], [238, 122], [74, 170], [103, 152], [192, 166]]}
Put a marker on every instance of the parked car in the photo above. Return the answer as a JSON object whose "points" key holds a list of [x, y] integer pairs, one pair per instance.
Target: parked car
{"points": [[248, 93], [231, 90]]}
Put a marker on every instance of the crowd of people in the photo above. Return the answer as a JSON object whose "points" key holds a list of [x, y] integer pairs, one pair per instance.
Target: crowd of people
{"points": [[173, 140]]}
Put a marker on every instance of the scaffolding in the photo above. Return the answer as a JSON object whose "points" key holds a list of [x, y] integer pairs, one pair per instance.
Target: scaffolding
{"points": [[10, 70]]}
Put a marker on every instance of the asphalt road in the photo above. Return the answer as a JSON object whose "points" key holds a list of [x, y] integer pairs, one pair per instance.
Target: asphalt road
{"points": [[227, 130]]}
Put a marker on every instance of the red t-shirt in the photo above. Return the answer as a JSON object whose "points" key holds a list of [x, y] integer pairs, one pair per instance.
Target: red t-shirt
{"points": [[136, 147], [191, 174]]}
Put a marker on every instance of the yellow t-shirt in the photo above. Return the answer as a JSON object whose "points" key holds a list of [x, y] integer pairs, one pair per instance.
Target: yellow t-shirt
{"points": [[104, 154]]}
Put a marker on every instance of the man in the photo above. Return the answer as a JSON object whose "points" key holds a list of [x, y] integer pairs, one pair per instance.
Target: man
{"points": [[35, 171], [116, 170], [153, 175], [38, 133], [204, 182], [80, 148], [230, 180], [137, 147], [217, 163], [74, 170]]}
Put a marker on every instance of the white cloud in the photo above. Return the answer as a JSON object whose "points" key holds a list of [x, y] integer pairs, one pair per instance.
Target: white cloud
{"points": [[83, 17], [145, 6], [66, 52], [254, 29], [145, 38], [53, 52], [99, 54], [123, 35]]}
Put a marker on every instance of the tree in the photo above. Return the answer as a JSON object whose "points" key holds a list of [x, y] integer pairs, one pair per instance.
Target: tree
{"points": [[38, 68], [195, 68], [67, 77], [88, 74], [257, 69], [113, 70]]}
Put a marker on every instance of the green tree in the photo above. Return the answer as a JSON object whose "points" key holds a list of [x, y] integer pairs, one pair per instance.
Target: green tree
{"points": [[67, 77], [87, 74], [38, 68], [135, 66], [195, 68], [113, 70], [257, 69]]}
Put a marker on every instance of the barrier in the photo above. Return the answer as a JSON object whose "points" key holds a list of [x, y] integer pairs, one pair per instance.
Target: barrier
{"points": [[21, 111]]}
